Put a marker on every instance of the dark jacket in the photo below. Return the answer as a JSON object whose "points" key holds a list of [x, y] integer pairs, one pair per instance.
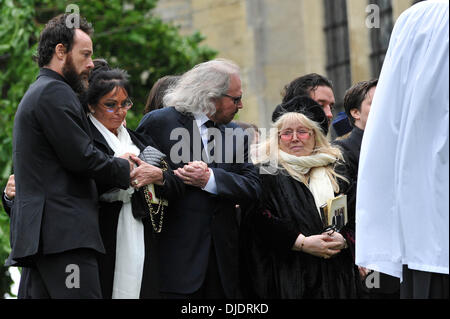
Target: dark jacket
{"points": [[55, 163], [109, 217], [199, 219], [351, 147], [269, 231]]}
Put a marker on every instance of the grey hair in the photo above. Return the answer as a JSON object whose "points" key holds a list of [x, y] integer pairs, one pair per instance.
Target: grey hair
{"points": [[264, 152], [198, 88]]}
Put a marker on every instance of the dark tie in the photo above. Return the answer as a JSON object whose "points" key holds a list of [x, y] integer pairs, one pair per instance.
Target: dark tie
{"points": [[210, 124]]}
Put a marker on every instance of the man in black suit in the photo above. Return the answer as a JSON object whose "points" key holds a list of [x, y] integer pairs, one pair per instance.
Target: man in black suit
{"points": [[54, 220], [357, 102], [199, 241]]}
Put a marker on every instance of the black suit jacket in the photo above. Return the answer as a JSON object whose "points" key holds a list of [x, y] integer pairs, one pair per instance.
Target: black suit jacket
{"points": [[351, 147], [199, 219], [55, 163]]}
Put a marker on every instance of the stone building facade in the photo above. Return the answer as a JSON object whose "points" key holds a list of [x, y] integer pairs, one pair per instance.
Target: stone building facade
{"points": [[275, 41]]}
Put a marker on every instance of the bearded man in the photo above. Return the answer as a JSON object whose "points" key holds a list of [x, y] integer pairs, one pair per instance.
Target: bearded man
{"points": [[54, 220]]}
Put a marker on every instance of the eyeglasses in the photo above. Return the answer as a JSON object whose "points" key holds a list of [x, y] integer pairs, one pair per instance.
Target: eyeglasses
{"points": [[236, 99], [302, 134], [113, 107]]}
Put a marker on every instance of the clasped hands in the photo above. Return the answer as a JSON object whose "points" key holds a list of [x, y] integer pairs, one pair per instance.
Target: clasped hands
{"points": [[142, 173], [325, 245], [194, 173]]}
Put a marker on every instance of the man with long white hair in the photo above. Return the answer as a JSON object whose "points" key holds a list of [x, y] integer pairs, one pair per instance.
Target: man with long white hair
{"points": [[199, 241], [402, 206]]}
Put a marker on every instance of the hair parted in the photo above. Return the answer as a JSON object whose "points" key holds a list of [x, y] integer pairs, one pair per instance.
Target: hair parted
{"points": [[103, 80], [304, 85], [56, 31], [263, 154], [198, 88], [355, 95]]}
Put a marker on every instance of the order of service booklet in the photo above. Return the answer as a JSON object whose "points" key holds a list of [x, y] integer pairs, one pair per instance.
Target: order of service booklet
{"points": [[334, 212]]}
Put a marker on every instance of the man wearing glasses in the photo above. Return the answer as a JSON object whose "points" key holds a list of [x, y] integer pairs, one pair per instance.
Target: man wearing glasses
{"points": [[199, 246]]}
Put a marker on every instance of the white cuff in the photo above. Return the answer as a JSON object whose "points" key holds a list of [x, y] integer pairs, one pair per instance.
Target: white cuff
{"points": [[211, 186]]}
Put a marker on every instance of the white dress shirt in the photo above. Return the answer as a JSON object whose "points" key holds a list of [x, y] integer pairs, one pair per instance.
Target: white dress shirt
{"points": [[200, 120]]}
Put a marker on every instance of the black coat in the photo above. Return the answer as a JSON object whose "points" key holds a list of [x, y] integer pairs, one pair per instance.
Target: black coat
{"points": [[199, 219], [55, 163], [350, 147], [271, 268], [109, 217]]}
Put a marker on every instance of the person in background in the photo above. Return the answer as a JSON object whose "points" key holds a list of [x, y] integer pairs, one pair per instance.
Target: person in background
{"points": [[157, 92], [8, 194], [402, 203], [342, 126], [357, 104], [253, 129], [317, 87], [287, 252]]}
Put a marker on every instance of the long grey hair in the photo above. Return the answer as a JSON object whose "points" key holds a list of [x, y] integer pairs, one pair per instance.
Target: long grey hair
{"points": [[198, 89]]}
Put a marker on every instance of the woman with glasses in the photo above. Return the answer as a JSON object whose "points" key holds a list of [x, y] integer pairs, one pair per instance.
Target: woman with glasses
{"points": [[287, 252], [129, 267]]}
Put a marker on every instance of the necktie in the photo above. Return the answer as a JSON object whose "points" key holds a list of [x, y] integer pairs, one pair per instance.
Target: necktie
{"points": [[210, 124], [209, 147]]}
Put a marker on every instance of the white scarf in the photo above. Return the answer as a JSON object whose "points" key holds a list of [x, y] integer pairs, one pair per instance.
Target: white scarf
{"points": [[319, 182], [130, 247]]}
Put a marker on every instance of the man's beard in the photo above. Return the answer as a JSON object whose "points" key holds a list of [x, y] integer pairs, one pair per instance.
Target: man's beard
{"points": [[78, 82]]}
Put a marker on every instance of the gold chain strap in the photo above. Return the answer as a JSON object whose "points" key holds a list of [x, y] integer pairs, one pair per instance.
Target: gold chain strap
{"points": [[160, 205]]}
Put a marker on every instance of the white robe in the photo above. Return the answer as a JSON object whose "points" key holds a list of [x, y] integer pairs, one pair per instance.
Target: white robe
{"points": [[402, 206]]}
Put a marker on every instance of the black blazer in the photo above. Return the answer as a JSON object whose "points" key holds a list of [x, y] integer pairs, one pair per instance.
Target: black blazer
{"points": [[109, 217], [55, 163], [199, 219], [351, 147]]}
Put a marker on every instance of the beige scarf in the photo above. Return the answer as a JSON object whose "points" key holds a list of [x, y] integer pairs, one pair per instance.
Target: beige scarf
{"points": [[319, 182]]}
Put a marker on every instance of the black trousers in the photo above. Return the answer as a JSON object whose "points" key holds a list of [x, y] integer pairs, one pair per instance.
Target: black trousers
{"points": [[418, 284], [72, 274], [211, 288]]}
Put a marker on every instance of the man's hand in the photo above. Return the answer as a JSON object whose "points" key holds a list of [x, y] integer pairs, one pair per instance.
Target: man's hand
{"points": [[194, 173], [363, 272], [10, 189], [145, 174]]}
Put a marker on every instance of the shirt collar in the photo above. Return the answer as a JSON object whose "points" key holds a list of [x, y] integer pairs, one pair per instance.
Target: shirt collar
{"points": [[201, 119]]}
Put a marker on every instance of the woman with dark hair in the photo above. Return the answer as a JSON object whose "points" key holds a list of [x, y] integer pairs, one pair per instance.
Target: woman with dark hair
{"points": [[288, 253], [155, 97], [129, 268]]}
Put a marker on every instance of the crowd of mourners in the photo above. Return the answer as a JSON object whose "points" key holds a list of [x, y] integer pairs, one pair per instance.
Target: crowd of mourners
{"points": [[196, 205]]}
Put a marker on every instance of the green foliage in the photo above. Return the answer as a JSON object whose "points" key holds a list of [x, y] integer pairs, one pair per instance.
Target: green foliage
{"points": [[127, 35]]}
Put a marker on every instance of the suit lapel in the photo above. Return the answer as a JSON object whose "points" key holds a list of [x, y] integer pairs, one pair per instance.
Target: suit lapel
{"points": [[195, 140]]}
